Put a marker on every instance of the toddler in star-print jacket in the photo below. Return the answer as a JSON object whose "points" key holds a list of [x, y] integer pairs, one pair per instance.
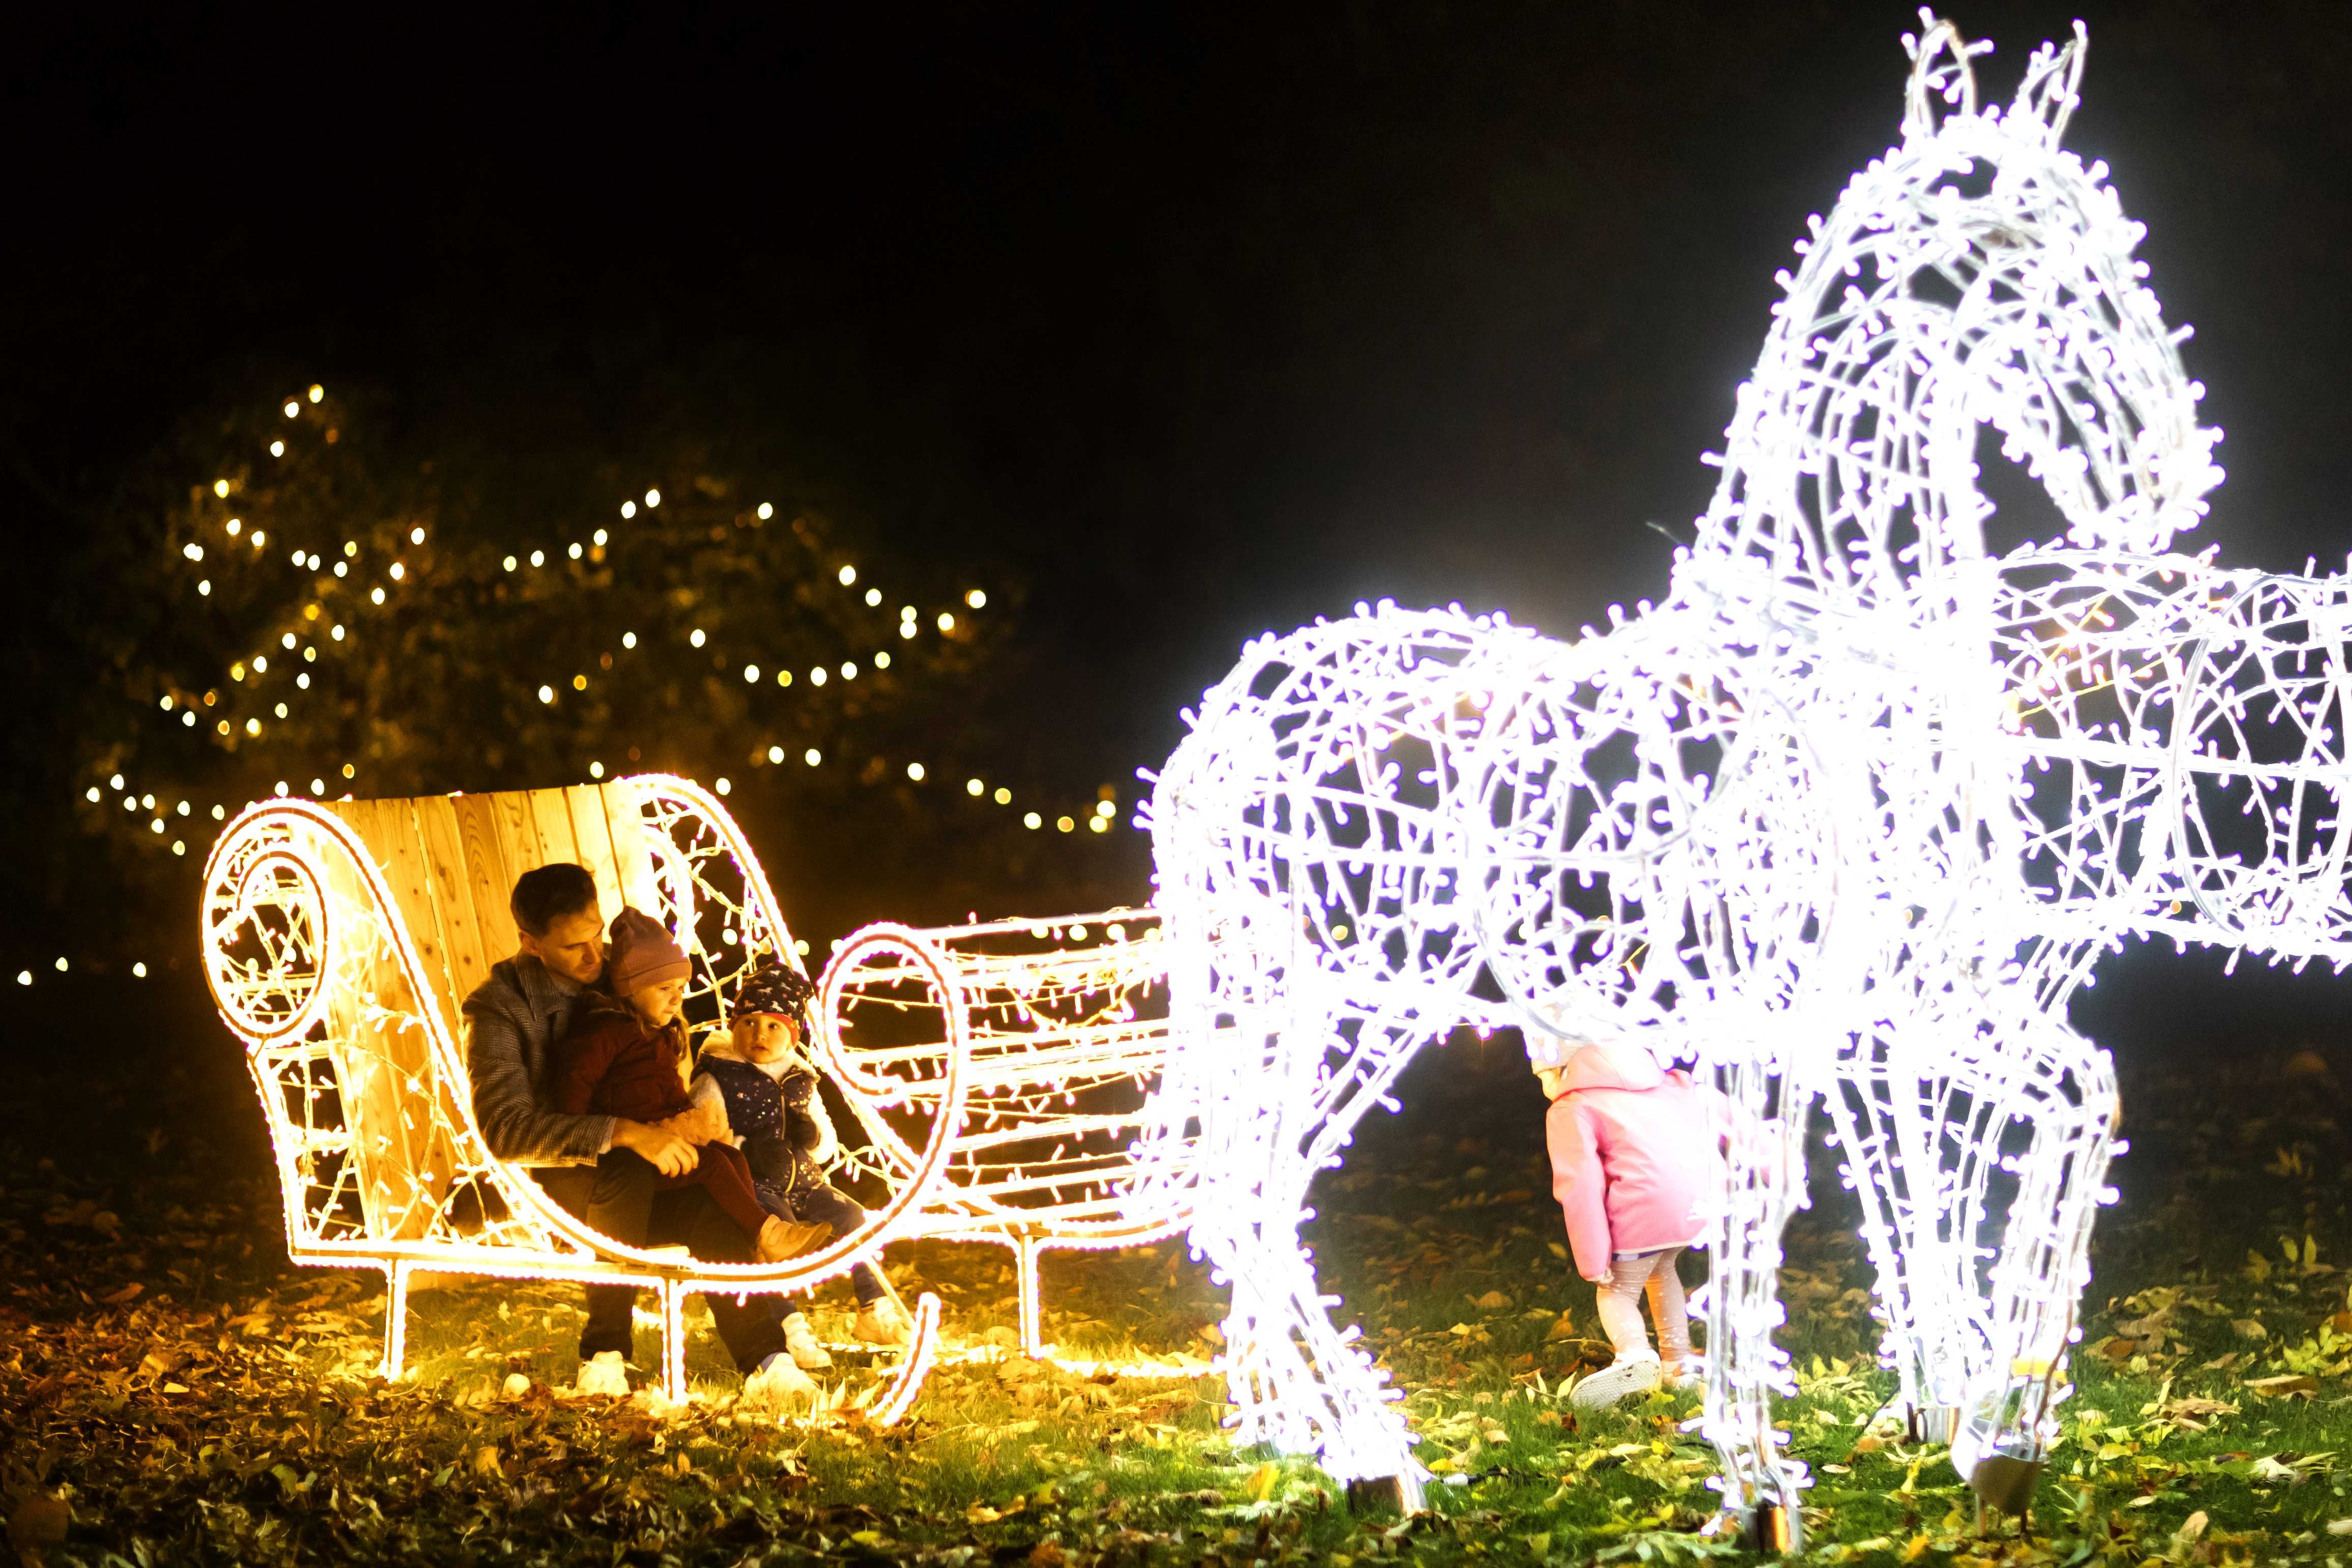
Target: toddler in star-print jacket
{"points": [[1637, 1164], [757, 1069]]}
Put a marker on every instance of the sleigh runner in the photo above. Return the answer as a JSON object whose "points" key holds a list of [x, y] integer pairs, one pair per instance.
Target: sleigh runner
{"points": [[995, 1077]]}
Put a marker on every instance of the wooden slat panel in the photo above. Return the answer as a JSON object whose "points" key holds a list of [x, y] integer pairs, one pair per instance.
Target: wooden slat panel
{"points": [[594, 838], [518, 838], [404, 1160], [444, 852], [551, 820], [390, 828], [632, 845], [486, 874]]}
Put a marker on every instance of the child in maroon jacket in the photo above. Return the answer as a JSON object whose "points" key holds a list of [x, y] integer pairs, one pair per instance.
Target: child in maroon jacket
{"points": [[625, 1057]]}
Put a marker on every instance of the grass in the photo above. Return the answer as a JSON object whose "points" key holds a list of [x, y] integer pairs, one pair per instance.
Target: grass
{"points": [[222, 1410]]}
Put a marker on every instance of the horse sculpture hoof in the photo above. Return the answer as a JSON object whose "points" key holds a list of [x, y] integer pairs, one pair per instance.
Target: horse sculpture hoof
{"points": [[1771, 1529], [1376, 1494]]}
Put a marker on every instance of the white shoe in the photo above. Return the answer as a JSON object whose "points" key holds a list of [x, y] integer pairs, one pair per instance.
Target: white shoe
{"points": [[807, 1352], [1626, 1375], [608, 1372], [777, 1383], [883, 1324]]}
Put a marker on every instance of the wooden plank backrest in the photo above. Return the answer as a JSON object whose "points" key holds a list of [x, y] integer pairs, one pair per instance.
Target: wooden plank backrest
{"points": [[443, 842], [405, 1153], [452, 860], [486, 876], [633, 842], [550, 821], [591, 838]]}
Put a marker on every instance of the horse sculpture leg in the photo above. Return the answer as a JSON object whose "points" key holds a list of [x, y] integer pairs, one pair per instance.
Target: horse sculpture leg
{"points": [[1744, 1367], [2061, 1099], [1980, 1146], [1294, 1380]]}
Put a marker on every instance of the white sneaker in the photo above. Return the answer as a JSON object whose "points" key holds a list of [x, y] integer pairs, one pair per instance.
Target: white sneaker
{"points": [[608, 1372], [777, 1383], [1626, 1375], [807, 1352], [883, 1324]]}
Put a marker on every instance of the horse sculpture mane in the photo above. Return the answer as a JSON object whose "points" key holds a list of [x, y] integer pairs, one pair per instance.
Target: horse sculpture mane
{"points": [[1846, 817]]}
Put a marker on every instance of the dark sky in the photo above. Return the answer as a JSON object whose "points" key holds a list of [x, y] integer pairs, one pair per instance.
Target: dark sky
{"points": [[1209, 320]]}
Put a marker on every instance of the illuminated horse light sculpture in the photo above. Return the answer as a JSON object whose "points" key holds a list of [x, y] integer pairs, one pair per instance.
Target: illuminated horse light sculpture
{"points": [[1849, 814]]}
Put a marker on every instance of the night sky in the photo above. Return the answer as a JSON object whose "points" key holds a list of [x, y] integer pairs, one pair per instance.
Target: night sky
{"points": [[1200, 324]]}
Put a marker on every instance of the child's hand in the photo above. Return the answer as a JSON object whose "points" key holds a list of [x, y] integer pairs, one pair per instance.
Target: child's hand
{"points": [[698, 1125], [671, 1156], [705, 1123]]}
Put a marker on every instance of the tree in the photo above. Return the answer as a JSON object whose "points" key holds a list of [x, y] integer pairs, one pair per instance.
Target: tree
{"points": [[320, 609]]}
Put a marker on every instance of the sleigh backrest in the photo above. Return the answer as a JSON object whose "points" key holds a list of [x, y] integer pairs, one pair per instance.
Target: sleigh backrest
{"points": [[452, 860]]}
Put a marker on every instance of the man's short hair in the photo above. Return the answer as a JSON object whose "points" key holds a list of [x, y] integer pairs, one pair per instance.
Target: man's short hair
{"points": [[548, 893]]}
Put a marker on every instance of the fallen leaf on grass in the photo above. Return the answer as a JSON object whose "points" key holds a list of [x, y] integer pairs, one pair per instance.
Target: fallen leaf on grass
{"points": [[129, 1292], [162, 1362], [2249, 1329], [2284, 1385], [2339, 1527], [486, 1460], [2190, 1528]]}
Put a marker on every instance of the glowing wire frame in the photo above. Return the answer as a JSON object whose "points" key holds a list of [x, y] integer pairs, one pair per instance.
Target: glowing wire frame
{"points": [[1851, 812]]}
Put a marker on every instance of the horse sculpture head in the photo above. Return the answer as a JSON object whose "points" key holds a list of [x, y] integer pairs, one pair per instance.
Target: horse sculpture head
{"points": [[1977, 274]]}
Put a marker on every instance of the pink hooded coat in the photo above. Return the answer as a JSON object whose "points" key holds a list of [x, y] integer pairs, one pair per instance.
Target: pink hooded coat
{"points": [[1636, 1154]]}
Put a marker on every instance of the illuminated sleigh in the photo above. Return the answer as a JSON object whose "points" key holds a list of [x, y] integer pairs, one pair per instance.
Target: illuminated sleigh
{"points": [[998, 1074], [340, 940]]}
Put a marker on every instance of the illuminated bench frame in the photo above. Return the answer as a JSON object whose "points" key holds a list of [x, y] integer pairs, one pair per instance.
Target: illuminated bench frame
{"points": [[1064, 1033], [339, 939]]}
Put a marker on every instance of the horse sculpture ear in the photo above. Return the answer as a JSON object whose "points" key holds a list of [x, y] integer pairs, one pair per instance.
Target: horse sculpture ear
{"points": [[2051, 89], [1939, 69]]}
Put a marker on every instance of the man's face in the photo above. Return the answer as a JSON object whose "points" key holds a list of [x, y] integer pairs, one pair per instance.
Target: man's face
{"points": [[572, 945]]}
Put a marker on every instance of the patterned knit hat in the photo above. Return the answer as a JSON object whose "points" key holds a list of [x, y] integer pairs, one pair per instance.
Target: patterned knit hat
{"points": [[643, 953], [772, 988]]}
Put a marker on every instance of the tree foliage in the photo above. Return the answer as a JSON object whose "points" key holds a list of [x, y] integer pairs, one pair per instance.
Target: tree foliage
{"points": [[306, 601]]}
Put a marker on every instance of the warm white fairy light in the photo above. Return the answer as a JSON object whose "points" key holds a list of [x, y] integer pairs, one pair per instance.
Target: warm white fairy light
{"points": [[1851, 812]]}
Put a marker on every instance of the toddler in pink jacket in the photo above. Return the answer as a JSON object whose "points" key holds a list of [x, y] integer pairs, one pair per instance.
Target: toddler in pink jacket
{"points": [[1637, 1165]]}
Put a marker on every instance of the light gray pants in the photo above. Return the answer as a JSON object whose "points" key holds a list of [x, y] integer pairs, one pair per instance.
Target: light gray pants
{"points": [[1621, 1306]]}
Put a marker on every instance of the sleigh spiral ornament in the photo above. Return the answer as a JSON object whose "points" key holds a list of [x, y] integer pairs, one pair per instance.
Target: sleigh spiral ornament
{"points": [[1846, 817]]}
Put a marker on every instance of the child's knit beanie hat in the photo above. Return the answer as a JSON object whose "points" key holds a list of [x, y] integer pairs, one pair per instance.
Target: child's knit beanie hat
{"points": [[643, 953], [774, 989]]}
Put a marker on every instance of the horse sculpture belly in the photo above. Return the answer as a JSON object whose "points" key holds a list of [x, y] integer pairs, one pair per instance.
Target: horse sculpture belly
{"points": [[1849, 814]]}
